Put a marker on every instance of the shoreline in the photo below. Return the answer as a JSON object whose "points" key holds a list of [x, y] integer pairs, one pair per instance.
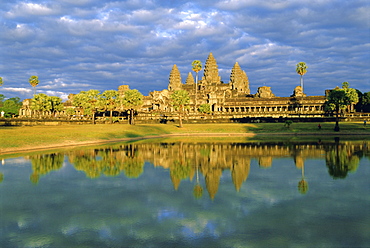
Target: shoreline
{"points": [[69, 144]]}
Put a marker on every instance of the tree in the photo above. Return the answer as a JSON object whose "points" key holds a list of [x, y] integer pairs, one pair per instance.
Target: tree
{"points": [[366, 102], [132, 100], [288, 123], [196, 66], [11, 106], [108, 101], [40, 103], [363, 104], [34, 81], [87, 101], [339, 99], [1, 81], [180, 99], [301, 70], [56, 104], [205, 108], [44, 103]]}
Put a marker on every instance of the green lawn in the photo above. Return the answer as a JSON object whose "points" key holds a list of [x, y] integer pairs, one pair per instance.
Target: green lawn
{"points": [[33, 137]]}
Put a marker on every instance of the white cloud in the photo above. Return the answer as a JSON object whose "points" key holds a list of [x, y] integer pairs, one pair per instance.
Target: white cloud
{"points": [[26, 9]]}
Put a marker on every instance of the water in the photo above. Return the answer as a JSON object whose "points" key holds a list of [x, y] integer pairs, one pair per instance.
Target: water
{"points": [[174, 194]]}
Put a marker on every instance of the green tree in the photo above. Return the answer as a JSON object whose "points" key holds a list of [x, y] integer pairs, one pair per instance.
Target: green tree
{"points": [[11, 106], [339, 100], [288, 123], [44, 103], [87, 102], [205, 108], [363, 104], [301, 69], [70, 112], [34, 81], [40, 103], [1, 81], [180, 100], [132, 100], [109, 101], [56, 104], [196, 66]]}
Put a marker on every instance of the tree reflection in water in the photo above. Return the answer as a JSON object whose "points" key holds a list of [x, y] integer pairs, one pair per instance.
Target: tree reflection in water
{"points": [[44, 164], [341, 159], [208, 160]]}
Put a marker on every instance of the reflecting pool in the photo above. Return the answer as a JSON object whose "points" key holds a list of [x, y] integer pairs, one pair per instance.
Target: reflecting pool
{"points": [[188, 194]]}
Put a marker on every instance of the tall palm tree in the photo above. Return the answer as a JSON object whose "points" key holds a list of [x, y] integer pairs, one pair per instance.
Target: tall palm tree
{"points": [[34, 81], [301, 70], [196, 66]]}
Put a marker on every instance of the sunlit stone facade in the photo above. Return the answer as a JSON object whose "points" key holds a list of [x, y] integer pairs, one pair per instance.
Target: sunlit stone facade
{"points": [[233, 99]]}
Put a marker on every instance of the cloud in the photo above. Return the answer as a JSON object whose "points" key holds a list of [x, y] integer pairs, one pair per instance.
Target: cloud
{"points": [[33, 9], [89, 44]]}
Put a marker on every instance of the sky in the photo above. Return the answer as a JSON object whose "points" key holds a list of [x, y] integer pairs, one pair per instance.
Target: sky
{"points": [[78, 45]]}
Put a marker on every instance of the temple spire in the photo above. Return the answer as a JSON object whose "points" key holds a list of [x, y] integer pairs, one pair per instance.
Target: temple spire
{"points": [[190, 79], [175, 79], [210, 71], [239, 79]]}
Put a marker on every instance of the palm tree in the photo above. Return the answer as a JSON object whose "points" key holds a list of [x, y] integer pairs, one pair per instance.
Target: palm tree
{"points": [[196, 66], [34, 81], [301, 70]]}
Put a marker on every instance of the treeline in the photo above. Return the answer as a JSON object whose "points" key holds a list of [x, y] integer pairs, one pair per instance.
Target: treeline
{"points": [[89, 103]]}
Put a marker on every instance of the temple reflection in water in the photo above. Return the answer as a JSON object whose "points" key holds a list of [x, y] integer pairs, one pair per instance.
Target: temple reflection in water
{"points": [[189, 161]]}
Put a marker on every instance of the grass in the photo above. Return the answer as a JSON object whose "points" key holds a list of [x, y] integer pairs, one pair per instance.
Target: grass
{"points": [[34, 137]]}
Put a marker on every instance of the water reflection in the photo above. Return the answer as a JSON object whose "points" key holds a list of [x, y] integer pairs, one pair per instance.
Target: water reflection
{"points": [[341, 159], [202, 160], [195, 194]]}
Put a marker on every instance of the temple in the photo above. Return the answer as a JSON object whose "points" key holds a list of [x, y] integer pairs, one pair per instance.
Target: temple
{"points": [[231, 101]]}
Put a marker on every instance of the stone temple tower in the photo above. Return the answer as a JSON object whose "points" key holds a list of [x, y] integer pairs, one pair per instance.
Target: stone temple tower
{"points": [[211, 76], [190, 79], [175, 79], [239, 80]]}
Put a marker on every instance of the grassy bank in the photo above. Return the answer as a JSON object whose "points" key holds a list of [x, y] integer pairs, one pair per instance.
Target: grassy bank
{"points": [[34, 137]]}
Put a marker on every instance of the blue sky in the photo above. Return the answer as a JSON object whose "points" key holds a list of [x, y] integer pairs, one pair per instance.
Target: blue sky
{"points": [[75, 45]]}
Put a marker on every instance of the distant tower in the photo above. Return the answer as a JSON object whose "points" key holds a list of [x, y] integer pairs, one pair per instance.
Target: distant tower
{"points": [[122, 89], [190, 79], [210, 71], [175, 79], [239, 80]]}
